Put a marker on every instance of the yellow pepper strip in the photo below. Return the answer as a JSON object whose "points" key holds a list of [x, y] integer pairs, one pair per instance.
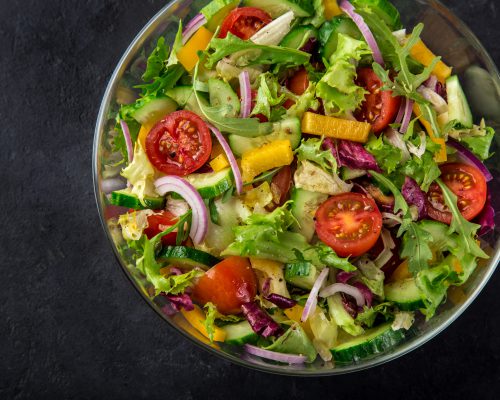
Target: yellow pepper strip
{"points": [[219, 163], [423, 55], [271, 155], [295, 313], [441, 156], [332, 9], [337, 128], [401, 272], [143, 133], [188, 54], [181, 322], [196, 318], [457, 295]]}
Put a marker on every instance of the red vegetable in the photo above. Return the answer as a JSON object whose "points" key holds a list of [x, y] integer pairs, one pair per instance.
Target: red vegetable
{"points": [[244, 22], [260, 321]]}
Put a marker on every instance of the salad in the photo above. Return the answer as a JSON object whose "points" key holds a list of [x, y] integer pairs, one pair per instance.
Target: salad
{"points": [[304, 179]]}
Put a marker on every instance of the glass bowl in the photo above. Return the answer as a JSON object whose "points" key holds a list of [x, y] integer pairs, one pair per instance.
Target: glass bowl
{"points": [[446, 35]]}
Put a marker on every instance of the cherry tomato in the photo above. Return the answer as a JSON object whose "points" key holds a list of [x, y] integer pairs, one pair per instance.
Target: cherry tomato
{"points": [[244, 22], [159, 222], [468, 184], [179, 144], [228, 285], [297, 84], [280, 185], [379, 107], [350, 223]]}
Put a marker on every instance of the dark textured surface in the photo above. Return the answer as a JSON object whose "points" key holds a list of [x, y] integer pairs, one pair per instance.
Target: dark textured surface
{"points": [[71, 324]]}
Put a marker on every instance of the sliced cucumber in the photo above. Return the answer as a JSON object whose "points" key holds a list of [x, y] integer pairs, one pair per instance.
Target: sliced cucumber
{"points": [[347, 173], [221, 93], [329, 31], [404, 294], [181, 94], [239, 334], [382, 9], [301, 8], [299, 36], [126, 199], [458, 107], [216, 11], [440, 237], [286, 129], [304, 206], [187, 257], [373, 341], [301, 274], [154, 109], [210, 184]]}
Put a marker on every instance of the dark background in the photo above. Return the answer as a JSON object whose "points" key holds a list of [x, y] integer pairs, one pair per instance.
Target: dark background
{"points": [[71, 326]]}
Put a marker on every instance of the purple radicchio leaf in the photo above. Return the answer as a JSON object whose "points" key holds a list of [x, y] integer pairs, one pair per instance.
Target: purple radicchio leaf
{"points": [[414, 196], [281, 301], [260, 321], [179, 301], [343, 276], [354, 155], [365, 291], [487, 218]]}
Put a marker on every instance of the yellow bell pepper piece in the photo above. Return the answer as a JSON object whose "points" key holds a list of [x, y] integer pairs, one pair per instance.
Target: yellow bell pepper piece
{"points": [[441, 156], [143, 133], [219, 163], [332, 9], [271, 155], [188, 54], [401, 272], [196, 318], [295, 313], [423, 55], [337, 128]]}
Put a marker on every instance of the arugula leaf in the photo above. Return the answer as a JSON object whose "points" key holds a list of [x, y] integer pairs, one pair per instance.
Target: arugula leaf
{"points": [[415, 247], [156, 60], [267, 95], [424, 170], [388, 156], [337, 88], [311, 150], [465, 229], [246, 52], [210, 315]]}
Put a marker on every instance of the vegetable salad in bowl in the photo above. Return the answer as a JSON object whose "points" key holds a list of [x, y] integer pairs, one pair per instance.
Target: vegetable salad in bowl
{"points": [[302, 180]]}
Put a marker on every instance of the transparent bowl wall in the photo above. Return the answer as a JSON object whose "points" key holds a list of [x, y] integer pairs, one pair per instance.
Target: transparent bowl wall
{"points": [[446, 35]]}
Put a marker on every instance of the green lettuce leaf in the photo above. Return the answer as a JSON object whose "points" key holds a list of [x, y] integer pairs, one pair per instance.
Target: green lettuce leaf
{"points": [[433, 284], [337, 88], [480, 145], [210, 315], [311, 150], [267, 95], [304, 102], [388, 156], [294, 341]]}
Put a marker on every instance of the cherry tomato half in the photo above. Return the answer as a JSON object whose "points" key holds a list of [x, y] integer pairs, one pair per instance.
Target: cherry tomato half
{"points": [[228, 285], [244, 22], [179, 144], [297, 84], [350, 223], [468, 184], [159, 222], [379, 107], [280, 185]]}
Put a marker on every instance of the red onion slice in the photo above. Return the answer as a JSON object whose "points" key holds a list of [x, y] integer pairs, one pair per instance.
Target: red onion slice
{"points": [[128, 140], [431, 82], [407, 117], [196, 23], [312, 300], [238, 180], [365, 31], [468, 157], [246, 94], [199, 224], [344, 288], [273, 355], [401, 111], [111, 184]]}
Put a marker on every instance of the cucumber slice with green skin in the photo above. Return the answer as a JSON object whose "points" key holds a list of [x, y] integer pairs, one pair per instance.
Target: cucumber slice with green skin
{"points": [[373, 341], [329, 31], [350, 173], [154, 109], [186, 258], [299, 36], [210, 184], [216, 11], [181, 94], [275, 8], [221, 93], [304, 206], [302, 274], [439, 232], [287, 129], [239, 334], [382, 9], [404, 294], [126, 199], [458, 107]]}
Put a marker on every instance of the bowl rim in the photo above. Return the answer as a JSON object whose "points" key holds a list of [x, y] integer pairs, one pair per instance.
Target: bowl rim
{"points": [[405, 348]]}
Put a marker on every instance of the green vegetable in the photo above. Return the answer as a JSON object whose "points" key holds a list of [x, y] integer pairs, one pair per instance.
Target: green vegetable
{"points": [[388, 156], [384, 10], [267, 95], [337, 88], [478, 139], [433, 285], [311, 150], [369, 314], [125, 198], [294, 341], [303, 102], [341, 317], [210, 314]]}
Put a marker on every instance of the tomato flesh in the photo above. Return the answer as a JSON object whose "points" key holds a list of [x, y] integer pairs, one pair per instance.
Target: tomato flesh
{"points": [[280, 185], [244, 22], [160, 222], [379, 107], [179, 144], [350, 223], [467, 183], [228, 285], [297, 84]]}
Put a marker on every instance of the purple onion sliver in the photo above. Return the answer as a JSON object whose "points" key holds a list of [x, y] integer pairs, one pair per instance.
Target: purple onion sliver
{"points": [[431, 82], [343, 276], [275, 356], [266, 286], [401, 111], [128, 140], [365, 291], [470, 158], [407, 116], [246, 94], [196, 23], [281, 301]]}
